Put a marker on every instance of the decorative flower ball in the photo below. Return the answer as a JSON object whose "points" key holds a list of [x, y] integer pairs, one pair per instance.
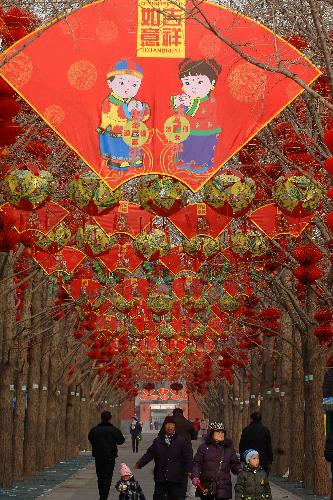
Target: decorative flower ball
{"points": [[92, 195], [26, 190], [151, 246], [297, 195], [166, 331], [201, 247], [56, 239], [92, 240], [162, 196], [159, 303], [230, 193], [249, 244]]}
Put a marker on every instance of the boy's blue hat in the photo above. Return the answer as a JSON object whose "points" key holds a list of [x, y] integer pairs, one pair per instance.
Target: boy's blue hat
{"points": [[248, 454]]}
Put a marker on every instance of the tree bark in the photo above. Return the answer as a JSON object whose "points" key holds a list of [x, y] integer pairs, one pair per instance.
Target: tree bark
{"points": [[7, 379], [284, 426], [296, 468], [34, 356]]}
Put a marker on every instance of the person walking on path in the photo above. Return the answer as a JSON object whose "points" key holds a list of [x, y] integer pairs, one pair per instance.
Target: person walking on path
{"points": [[252, 482], [183, 426], [213, 462], [256, 436], [203, 427], [128, 487], [104, 439], [135, 431], [172, 455], [185, 429]]}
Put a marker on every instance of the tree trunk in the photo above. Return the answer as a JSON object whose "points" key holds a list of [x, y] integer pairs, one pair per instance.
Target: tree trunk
{"points": [[314, 370], [43, 392], [20, 394], [7, 379], [296, 468], [284, 426], [34, 356]]}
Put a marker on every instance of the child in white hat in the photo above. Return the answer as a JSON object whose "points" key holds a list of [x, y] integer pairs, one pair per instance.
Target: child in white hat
{"points": [[252, 482], [128, 487]]}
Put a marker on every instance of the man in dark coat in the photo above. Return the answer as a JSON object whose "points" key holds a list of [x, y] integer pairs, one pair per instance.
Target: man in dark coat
{"points": [[173, 461], [258, 437], [183, 426], [135, 431], [104, 439]]}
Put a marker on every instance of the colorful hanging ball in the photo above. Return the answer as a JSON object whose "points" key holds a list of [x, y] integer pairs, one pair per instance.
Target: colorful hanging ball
{"points": [[249, 244], [296, 195], [151, 246], [26, 190], [162, 195], [92, 240], [230, 193], [55, 240], [92, 195], [201, 247]]}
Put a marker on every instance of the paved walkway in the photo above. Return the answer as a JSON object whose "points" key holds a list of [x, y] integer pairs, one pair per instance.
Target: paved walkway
{"points": [[82, 485]]}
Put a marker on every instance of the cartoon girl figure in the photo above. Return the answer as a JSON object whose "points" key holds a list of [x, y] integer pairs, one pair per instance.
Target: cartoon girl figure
{"points": [[197, 104], [118, 109]]}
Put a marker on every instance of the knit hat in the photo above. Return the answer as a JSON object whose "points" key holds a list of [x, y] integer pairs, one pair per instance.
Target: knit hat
{"points": [[248, 454], [125, 470], [125, 67], [169, 420], [216, 426]]}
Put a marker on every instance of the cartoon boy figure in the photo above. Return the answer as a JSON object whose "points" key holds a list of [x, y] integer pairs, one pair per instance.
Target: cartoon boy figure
{"points": [[199, 106], [118, 109]]}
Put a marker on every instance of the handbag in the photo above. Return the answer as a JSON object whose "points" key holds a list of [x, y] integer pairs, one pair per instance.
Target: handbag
{"points": [[210, 485], [139, 437]]}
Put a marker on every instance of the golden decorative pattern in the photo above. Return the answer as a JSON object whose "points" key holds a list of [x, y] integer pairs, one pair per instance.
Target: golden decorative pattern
{"points": [[54, 114], [247, 82], [18, 70], [210, 45], [107, 31], [82, 75]]}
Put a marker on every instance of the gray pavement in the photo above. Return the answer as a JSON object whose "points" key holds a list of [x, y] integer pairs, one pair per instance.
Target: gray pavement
{"points": [[83, 485]]}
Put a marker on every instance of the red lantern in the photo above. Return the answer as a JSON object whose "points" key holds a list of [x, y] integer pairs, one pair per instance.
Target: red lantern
{"points": [[307, 275], [324, 315], [307, 254], [324, 333]]}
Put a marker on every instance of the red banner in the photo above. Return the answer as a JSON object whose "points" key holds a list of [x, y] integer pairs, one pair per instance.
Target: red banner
{"points": [[136, 92]]}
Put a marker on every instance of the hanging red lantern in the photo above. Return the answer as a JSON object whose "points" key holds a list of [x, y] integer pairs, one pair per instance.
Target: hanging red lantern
{"points": [[324, 315], [307, 254], [324, 333], [307, 275]]}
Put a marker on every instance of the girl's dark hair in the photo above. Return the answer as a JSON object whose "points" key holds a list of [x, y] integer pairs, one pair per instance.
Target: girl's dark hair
{"points": [[208, 67]]}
